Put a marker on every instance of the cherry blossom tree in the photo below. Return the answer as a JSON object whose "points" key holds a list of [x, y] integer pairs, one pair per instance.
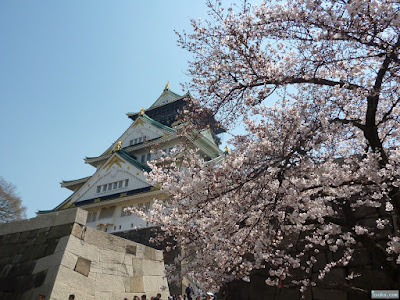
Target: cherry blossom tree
{"points": [[317, 85]]}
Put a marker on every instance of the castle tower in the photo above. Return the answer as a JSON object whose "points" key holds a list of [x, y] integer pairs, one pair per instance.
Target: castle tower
{"points": [[119, 181]]}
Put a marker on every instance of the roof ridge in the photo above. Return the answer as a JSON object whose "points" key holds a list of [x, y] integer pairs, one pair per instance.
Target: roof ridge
{"points": [[158, 124], [132, 161]]}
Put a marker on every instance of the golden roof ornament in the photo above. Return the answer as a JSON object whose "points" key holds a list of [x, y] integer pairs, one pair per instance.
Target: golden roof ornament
{"points": [[118, 146], [166, 86], [227, 151], [141, 113]]}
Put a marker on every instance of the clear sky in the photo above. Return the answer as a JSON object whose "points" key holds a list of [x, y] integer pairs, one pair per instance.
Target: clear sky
{"points": [[69, 71]]}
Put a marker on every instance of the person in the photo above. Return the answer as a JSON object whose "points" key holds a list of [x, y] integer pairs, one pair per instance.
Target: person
{"points": [[136, 298], [42, 297], [189, 292], [144, 297], [71, 297], [159, 296]]}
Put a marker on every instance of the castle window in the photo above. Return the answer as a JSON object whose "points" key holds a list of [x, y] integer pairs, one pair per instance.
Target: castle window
{"points": [[104, 187], [98, 189], [119, 184], [130, 142], [148, 156], [91, 217], [115, 185], [109, 186], [144, 206], [125, 213], [126, 182]]}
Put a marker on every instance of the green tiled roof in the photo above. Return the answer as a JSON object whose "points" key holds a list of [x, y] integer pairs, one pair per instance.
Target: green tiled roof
{"points": [[166, 97], [158, 124], [133, 161]]}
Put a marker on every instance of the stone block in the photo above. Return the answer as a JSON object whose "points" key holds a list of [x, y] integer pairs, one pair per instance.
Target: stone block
{"points": [[14, 238], [61, 291], [60, 231], [114, 269], [154, 283], [4, 270], [39, 278], [68, 216], [34, 293], [150, 253], [34, 252], [48, 262], [41, 238], [104, 295], [16, 259], [68, 259], [9, 284], [51, 246], [129, 269], [128, 259], [78, 231], [62, 244], [107, 241], [153, 267], [110, 256], [137, 265], [109, 283], [131, 249], [82, 266], [51, 275], [8, 250], [76, 280], [82, 249], [21, 269], [137, 285], [96, 268], [24, 236]]}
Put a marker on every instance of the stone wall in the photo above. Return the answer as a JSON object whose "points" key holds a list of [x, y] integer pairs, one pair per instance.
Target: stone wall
{"points": [[366, 265], [144, 236], [57, 255]]}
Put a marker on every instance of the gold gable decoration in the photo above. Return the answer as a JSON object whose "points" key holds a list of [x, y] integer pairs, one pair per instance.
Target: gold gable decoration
{"points": [[114, 161]]}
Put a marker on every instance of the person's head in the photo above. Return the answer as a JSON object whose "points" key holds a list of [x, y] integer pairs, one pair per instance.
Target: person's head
{"points": [[136, 298], [158, 295], [71, 297], [41, 297], [144, 297]]}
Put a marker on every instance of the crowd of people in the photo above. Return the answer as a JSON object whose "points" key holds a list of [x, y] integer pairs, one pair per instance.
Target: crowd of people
{"points": [[189, 295]]}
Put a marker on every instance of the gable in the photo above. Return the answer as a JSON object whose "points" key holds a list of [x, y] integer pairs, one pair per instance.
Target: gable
{"points": [[117, 175], [140, 131]]}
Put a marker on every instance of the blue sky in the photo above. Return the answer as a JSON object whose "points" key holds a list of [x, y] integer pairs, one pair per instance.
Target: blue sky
{"points": [[69, 71]]}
